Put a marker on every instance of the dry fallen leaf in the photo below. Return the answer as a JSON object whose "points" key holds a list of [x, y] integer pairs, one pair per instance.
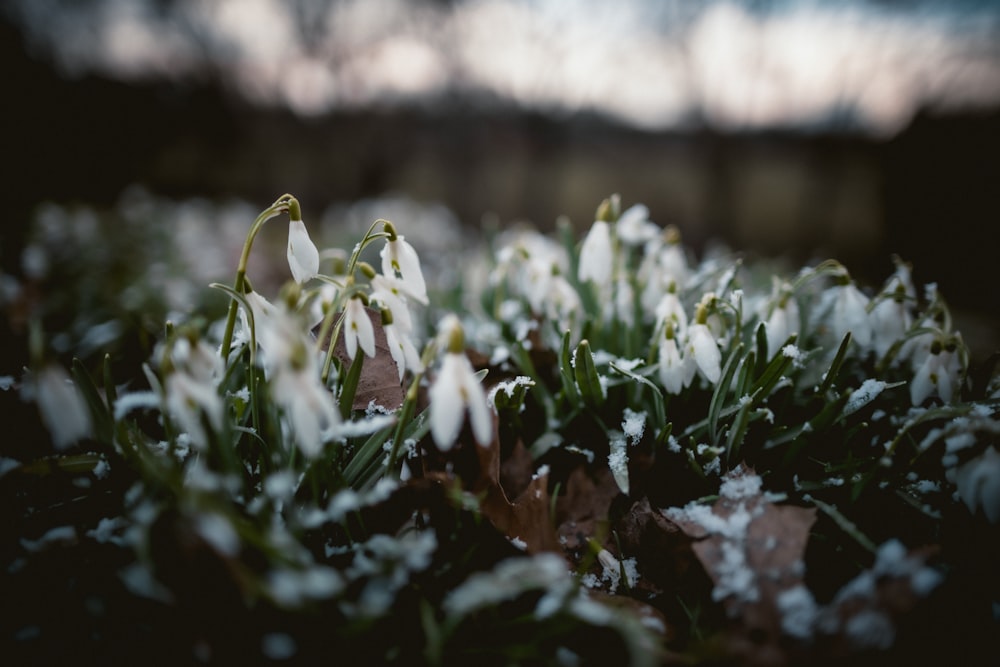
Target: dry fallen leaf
{"points": [[379, 380], [753, 552]]}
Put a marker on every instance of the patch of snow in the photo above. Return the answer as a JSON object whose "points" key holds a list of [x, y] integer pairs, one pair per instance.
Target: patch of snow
{"points": [[863, 395], [798, 611]]}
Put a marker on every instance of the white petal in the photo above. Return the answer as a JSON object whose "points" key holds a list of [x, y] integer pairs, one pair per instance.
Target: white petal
{"points": [[446, 403], [595, 254], [358, 329], [922, 385], [480, 413], [671, 367], [303, 257], [706, 352], [400, 256], [61, 405]]}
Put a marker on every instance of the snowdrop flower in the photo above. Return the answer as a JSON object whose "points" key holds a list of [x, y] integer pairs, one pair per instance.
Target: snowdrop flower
{"points": [[187, 400], [358, 329], [456, 389], [850, 313], [634, 227], [398, 256], [702, 345], [63, 410], [939, 373], [663, 264], [400, 346], [191, 389], [308, 405], [670, 309], [782, 322], [625, 301], [676, 372], [293, 370], [303, 257], [563, 303], [978, 482], [890, 320], [595, 254], [389, 292]]}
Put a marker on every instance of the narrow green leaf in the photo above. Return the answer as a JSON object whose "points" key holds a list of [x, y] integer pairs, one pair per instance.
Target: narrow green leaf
{"points": [[566, 371], [99, 412], [722, 391], [658, 410], [587, 378], [838, 360], [350, 385]]}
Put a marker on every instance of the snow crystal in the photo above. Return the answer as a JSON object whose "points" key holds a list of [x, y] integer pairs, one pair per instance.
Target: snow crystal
{"points": [[863, 395], [673, 445], [519, 543], [281, 485], [135, 400], [792, 352], [542, 471], [734, 575], [634, 425], [7, 382], [506, 581], [105, 530], [56, 536], [870, 629], [101, 469], [798, 611], [618, 463], [6, 465], [959, 442], [278, 646], [740, 487], [218, 532]]}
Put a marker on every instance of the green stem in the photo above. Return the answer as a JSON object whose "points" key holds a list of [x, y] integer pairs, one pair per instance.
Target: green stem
{"points": [[284, 203]]}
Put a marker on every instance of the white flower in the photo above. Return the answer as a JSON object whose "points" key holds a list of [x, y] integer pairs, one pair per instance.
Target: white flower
{"points": [[595, 254], [782, 323], [188, 398], [191, 389], [63, 410], [938, 374], [705, 351], [563, 303], [456, 388], [625, 302], [308, 405], [402, 350], [978, 482], [676, 372], [358, 329], [398, 256], [634, 227], [670, 309], [389, 292], [303, 257], [890, 320], [850, 314]]}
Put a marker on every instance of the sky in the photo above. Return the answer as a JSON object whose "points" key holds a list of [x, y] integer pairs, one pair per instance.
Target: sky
{"points": [[856, 65]]}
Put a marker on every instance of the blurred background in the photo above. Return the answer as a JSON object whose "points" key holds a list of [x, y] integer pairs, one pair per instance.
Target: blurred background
{"points": [[790, 129]]}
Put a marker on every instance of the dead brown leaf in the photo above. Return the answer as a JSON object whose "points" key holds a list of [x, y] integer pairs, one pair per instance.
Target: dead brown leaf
{"points": [[379, 381]]}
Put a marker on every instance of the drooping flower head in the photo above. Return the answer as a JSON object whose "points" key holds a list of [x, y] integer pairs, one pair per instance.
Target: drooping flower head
{"points": [[702, 346], [403, 352], [303, 257], [456, 390], [399, 257], [358, 329]]}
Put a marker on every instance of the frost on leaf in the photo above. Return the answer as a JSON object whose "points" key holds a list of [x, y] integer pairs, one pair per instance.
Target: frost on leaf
{"points": [[752, 550]]}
